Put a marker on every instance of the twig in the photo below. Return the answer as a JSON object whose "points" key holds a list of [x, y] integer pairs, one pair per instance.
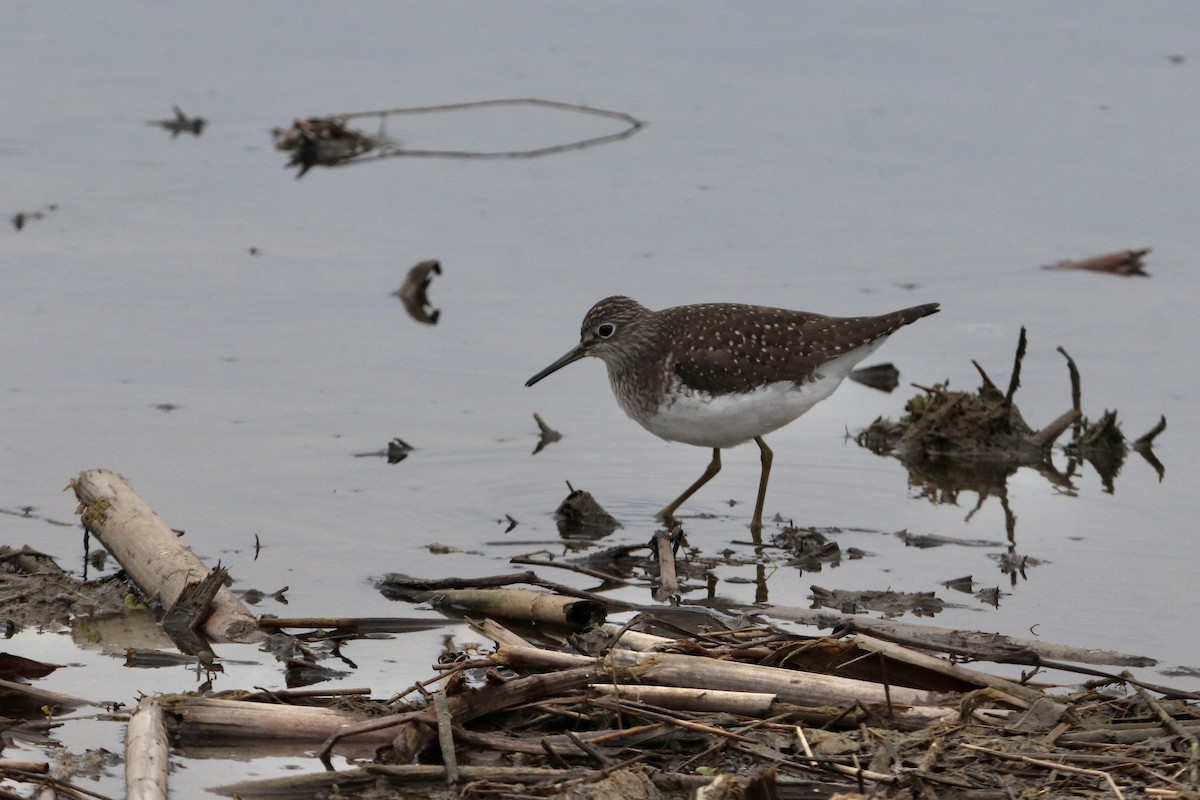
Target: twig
{"points": [[445, 726], [1015, 381], [1076, 394]]}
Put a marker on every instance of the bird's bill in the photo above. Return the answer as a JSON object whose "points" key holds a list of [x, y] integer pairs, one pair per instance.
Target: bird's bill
{"points": [[574, 355]]}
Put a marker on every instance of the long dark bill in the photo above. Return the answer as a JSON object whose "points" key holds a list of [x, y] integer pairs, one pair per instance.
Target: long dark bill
{"points": [[574, 355]]}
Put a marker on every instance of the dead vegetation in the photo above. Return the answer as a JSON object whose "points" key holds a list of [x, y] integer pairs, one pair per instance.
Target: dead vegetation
{"points": [[953, 441], [679, 701], [330, 141]]}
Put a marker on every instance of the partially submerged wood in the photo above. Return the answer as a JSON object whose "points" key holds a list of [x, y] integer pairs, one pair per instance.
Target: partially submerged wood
{"points": [[788, 686], [15, 696], [635, 709], [979, 645], [212, 721], [521, 604], [146, 752], [152, 555], [953, 441]]}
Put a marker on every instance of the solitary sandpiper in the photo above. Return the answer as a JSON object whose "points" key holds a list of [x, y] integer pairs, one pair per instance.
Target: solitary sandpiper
{"points": [[720, 374]]}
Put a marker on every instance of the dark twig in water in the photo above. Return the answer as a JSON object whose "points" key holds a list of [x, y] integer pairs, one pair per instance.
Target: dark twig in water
{"points": [[1146, 439], [1015, 381]]}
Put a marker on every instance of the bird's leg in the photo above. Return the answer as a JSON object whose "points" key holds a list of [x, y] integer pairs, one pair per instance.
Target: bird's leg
{"points": [[714, 467], [767, 456]]}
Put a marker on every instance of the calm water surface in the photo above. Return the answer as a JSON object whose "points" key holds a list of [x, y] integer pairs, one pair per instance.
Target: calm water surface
{"points": [[845, 158]]}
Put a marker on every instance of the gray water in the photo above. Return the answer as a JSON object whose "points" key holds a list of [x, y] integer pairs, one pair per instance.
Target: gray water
{"points": [[845, 158]]}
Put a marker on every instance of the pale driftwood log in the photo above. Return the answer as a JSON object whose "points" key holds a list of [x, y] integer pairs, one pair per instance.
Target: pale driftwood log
{"points": [[522, 604], [636, 640], [215, 720], [912, 708], [21, 765], [950, 639], [704, 701], [146, 752], [1026, 694], [153, 556]]}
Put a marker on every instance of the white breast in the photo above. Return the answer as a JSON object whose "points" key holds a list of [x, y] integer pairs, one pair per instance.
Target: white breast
{"points": [[726, 420]]}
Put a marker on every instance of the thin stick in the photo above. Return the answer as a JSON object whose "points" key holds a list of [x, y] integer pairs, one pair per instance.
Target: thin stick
{"points": [[1015, 381]]}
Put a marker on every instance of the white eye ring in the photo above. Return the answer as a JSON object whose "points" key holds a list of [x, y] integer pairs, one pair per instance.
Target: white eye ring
{"points": [[605, 330]]}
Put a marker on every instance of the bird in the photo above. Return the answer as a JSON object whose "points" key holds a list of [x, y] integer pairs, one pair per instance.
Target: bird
{"points": [[718, 375]]}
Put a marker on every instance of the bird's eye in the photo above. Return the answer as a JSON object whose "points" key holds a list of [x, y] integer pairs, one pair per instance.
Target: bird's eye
{"points": [[605, 330]]}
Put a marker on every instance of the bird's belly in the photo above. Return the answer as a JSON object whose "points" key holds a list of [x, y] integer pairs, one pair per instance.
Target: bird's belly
{"points": [[726, 420]]}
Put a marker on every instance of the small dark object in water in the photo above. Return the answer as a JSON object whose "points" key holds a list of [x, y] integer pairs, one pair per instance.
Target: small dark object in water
{"points": [[580, 516], [398, 450], [884, 377], [321, 141], [548, 434], [180, 123], [808, 547], [414, 292], [962, 584], [1122, 262]]}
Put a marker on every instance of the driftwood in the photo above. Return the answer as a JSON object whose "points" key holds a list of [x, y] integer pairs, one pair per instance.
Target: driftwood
{"points": [[15, 695], [912, 707], [522, 604], [162, 567], [209, 720], [977, 644], [952, 441], [146, 753], [711, 701]]}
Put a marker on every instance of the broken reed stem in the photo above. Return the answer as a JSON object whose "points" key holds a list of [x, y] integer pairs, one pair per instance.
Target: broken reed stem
{"points": [[1015, 381], [1051, 765], [441, 708], [668, 578]]}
